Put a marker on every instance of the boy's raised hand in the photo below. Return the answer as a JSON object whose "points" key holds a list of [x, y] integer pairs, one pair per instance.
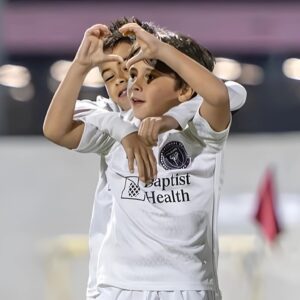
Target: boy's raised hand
{"points": [[148, 43], [90, 52], [136, 150]]}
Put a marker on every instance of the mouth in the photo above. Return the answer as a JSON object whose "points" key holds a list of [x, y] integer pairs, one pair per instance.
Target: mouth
{"points": [[135, 101], [123, 93]]}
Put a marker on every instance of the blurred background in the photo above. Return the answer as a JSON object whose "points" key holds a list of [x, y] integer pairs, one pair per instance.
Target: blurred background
{"points": [[46, 192]]}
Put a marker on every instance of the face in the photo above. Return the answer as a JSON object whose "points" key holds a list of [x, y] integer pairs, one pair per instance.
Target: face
{"points": [[115, 75], [151, 92]]}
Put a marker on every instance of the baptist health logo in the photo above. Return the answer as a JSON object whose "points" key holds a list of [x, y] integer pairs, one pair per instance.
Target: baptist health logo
{"points": [[132, 190], [167, 189]]}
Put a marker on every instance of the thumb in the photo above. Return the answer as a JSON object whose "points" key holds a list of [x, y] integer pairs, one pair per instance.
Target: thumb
{"points": [[138, 57], [112, 57]]}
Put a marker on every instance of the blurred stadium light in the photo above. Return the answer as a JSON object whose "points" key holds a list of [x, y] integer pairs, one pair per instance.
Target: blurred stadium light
{"points": [[255, 38]]}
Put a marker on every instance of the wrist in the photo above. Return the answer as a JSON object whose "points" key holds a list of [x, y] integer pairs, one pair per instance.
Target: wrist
{"points": [[163, 51], [169, 123], [81, 69]]}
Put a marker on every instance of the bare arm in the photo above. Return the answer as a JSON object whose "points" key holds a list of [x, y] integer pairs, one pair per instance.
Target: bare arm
{"points": [[59, 125], [215, 107]]}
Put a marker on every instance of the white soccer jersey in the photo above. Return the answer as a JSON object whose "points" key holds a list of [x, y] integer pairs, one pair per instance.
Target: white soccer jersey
{"points": [[90, 142], [105, 114], [163, 236]]}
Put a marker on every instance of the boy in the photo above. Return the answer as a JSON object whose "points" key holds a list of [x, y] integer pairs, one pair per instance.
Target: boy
{"points": [[161, 239], [166, 231], [106, 78], [102, 203]]}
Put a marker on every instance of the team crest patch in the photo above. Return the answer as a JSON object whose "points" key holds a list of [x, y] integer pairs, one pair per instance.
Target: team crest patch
{"points": [[174, 156], [132, 190]]}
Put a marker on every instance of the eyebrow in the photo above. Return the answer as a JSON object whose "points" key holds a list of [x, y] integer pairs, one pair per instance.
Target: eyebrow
{"points": [[146, 69]]}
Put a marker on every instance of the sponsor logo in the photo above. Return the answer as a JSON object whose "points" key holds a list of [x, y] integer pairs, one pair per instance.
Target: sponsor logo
{"points": [[174, 156], [132, 190], [165, 194]]}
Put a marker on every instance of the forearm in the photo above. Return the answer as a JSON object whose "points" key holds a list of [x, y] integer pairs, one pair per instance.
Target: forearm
{"points": [[59, 118], [201, 80], [110, 123]]}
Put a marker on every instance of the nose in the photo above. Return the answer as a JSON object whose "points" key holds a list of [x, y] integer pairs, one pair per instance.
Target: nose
{"points": [[120, 80], [122, 74], [137, 84]]}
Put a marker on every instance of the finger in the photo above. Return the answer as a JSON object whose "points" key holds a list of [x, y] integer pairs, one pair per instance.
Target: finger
{"points": [[141, 130], [153, 162], [113, 57], [85, 46], [130, 158], [140, 167], [138, 57], [130, 28], [147, 165], [98, 30]]}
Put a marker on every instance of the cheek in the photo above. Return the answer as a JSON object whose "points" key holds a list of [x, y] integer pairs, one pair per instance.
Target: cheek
{"points": [[110, 90], [165, 93]]}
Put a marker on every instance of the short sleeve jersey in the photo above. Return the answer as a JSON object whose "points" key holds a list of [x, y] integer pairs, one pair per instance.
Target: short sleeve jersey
{"points": [[163, 235]]}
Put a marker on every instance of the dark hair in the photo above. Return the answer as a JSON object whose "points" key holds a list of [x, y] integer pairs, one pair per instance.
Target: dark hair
{"points": [[116, 37], [191, 48], [184, 44]]}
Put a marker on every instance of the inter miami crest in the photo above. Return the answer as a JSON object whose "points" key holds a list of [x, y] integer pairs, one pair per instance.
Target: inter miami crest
{"points": [[174, 156], [131, 189]]}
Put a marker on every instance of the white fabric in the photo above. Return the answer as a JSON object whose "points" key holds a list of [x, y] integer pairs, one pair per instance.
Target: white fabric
{"points": [[152, 244], [184, 112], [237, 95], [90, 142], [114, 293], [101, 115]]}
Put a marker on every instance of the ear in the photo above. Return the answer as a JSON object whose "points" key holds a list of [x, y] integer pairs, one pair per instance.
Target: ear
{"points": [[185, 93]]}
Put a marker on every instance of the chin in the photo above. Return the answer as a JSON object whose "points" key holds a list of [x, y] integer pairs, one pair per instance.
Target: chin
{"points": [[139, 115], [125, 107]]}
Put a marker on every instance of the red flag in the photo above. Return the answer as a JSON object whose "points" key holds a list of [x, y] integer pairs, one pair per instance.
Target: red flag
{"points": [[266, 210]]}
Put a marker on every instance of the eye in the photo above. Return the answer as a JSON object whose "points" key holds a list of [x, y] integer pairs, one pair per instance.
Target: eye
{"points": [[132, 74], [150, 77], [108, 76]]}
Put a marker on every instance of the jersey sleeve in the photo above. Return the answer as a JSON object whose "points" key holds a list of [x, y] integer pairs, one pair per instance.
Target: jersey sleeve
{"points": [[200, 129], [111, 123], [86, 107], [237, 95], [94, 141], [184, 112], [102, 127]]}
